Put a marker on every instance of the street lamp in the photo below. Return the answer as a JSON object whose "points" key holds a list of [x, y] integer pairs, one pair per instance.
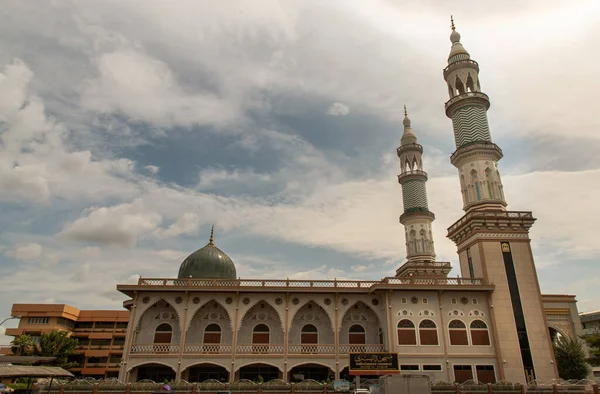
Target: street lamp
{"points": [[10, 318]]}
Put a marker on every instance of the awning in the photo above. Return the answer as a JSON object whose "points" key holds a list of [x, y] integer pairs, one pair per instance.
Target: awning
{"points": [[26, 360], [22, 371]]}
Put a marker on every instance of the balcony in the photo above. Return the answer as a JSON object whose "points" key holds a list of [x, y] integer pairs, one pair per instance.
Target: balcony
{"points": [[366, 348], [260, 349], [204, 348], [155, 348], [311, 349]]}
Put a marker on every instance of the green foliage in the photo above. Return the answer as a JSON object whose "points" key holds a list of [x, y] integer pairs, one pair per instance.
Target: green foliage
{"points": [[570, 358], [23, 345], [593, 342], [261, 379], [58, 344]]}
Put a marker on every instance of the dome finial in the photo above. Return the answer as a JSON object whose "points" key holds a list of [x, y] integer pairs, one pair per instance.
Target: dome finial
{"points": [[406, 121], [452, 22], [212, 233]]}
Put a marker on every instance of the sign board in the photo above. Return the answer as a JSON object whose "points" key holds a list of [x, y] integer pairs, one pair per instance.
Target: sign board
{"points": [[341, 386], [373, 363]]}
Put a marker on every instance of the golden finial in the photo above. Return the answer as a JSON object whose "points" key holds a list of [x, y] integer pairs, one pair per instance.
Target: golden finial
{"points": [[212, 233], [405, 113], [452, 23]]}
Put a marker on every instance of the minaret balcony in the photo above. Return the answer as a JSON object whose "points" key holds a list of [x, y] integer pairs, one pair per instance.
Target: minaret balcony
{"points": [[486, 149], [416, 213], [460, 64], [412, 174], [409, 147], [469, 98]]}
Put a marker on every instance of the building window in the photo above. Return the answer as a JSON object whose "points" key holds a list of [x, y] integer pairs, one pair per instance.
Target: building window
{"points": [[212, 334], [425, 300], [121, 325], [406, 332], [462, 373], [458, 333], [404, 300], [163, 333], [261, 334], [479, 333], [428, 333], [84, 325], [475, 301], [357, 335], [470, 262], [454, 301], [38, 320], [309, 334], [409, 367], [432, 367], [485, 373]]}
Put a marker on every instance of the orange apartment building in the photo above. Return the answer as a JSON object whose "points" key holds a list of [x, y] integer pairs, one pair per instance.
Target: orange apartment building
{"points": [[100, 334]]}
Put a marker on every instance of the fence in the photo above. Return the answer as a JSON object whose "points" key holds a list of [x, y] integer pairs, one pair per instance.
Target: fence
{"points": [[278, 386]]}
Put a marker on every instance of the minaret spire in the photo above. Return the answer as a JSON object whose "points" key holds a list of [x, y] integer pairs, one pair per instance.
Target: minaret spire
{"points": [[452, 23], [212, 238], [476, 156]]}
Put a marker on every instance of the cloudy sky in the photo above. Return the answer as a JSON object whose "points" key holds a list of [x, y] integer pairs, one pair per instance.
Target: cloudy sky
{"points": [[128, 128]]}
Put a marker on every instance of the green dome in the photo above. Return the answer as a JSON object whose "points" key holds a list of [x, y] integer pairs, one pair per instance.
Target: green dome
{"points": [[208, 262]]}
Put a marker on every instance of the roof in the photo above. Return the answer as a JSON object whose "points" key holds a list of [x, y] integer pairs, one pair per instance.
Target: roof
{"points": [[21, 371], [26, 360]]}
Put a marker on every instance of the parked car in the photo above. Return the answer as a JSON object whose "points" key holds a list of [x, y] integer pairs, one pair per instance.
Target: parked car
{"points": [[5, 389]]}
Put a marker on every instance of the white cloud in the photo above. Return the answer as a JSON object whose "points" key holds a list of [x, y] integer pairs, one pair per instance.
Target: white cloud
{"points": [[153, 170], [338, 109], [120, 225], [30, 251]]}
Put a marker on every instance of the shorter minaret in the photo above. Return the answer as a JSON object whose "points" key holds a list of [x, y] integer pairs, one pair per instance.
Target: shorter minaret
{"points": [[417, 218]]}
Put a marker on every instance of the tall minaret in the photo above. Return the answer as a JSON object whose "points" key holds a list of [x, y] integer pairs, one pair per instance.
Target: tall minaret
{"points": [[493, 243], [417, 217], [476, 156]]}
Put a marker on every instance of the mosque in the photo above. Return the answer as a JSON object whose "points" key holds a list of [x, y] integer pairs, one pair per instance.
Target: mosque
{"points": [[491, 324]]}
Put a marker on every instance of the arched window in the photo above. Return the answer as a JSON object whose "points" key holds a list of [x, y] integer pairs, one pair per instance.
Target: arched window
{"points": [[357, 335], [423, 239], [458, 333], [260, 334], [163, 333], [309, 334], [479, 333], [212, 334], [489, 180], [406, 332], [413, 241], [428, 333], [475, 182]]}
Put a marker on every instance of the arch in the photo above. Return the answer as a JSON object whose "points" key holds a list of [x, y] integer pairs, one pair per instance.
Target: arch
{"points": [[145, 362], [212, 333], [243, 315], [357, 335], [428, 333], [457, 330], [469, 84], [163, 333], [204, 304], [266, 318], [458, 84], [315, 303], [406, 332], [260, 370], [201, 371], [310, 370], [141, 313], [237, 368], [215, 362], [450, 91], [407, 165], [373, 327], [415, 164], [480, 335]]}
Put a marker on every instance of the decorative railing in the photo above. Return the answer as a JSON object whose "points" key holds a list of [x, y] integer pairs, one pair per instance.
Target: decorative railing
{"points": [[155, 348], [402, 148], [466, 95], [202, 348], [460, 63], [361, 348], [409, 173], [260, 349], [311, 349], [491, 215], [346, 284]]}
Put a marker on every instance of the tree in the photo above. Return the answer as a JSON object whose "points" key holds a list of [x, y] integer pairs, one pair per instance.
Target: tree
{"points": [[58, 344], [23, 345], [593, 342], [571, 358]]}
